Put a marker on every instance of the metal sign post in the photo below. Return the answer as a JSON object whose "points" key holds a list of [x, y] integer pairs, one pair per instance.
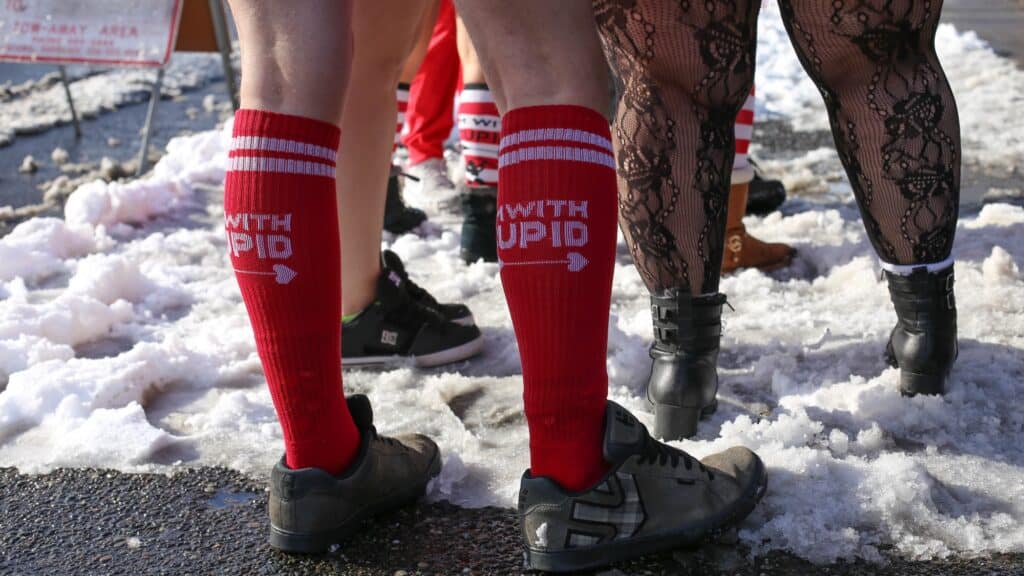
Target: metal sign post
{"points": [[220, 28], [71, 101], [147, 129], [141, 33]]}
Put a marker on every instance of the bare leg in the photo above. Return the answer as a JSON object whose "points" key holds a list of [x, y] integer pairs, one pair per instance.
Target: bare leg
{"points": [[367, 123], [472, 72], [299, 60], [542, 57], [556, 152], [419, 50], [295, 66], [538, 53]]}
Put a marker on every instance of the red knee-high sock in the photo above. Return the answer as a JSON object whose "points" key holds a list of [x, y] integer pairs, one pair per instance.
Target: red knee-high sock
{"points": [[282, 226], [479, 128], [556, 244]]}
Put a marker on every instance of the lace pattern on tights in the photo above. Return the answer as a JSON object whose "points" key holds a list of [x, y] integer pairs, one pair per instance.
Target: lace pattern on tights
{"points": [[685, 68]]}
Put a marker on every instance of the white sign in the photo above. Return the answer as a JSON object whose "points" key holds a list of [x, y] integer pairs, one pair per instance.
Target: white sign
{"points": [[107, 32]]}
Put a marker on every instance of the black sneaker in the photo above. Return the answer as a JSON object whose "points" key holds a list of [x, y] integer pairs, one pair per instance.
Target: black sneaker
{"points": [[654, 498], [458, 313], [479, 209], [399, 217], [396, 329], [765, 195], [310, 510]]}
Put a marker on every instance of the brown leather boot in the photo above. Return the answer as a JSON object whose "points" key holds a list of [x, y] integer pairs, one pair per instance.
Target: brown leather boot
{"points": [[743, 250]]}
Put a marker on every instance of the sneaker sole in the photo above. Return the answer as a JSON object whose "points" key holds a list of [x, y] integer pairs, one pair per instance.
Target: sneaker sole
{"points": [[465, 321], [448, 356], [320, 542], [620, 550]]}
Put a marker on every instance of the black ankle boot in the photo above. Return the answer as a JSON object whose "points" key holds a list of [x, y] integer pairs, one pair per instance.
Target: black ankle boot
{"points": [[479, 213], [684, 372], [399, 217], [923, 343]]}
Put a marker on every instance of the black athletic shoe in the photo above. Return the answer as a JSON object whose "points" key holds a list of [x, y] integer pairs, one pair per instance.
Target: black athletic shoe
{"points": [[765, 195], [399, 218], [458, 313], [654, 498], [310, 509], [396, 329], [479, 209]]}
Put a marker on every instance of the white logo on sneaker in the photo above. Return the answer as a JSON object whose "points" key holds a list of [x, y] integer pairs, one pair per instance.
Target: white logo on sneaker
{"points": [[388, 337], [616, 502]]}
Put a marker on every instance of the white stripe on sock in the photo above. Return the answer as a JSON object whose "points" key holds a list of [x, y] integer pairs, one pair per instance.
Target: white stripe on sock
{"points": [[479, 149], [566, 134], [283, 165], [476, 96], [556, 153], [266, 144]]}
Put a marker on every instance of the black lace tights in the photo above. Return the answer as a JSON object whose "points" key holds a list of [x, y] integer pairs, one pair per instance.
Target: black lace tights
{"points": [[686, 67]]}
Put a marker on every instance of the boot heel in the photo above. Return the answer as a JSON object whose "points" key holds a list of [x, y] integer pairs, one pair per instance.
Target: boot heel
{"points": [[912, 384], [675, 422]]}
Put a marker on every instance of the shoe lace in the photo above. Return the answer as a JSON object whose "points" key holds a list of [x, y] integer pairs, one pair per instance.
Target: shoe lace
{"points": [[417, 292], [410, 310], [656, 452], [386, 439]]}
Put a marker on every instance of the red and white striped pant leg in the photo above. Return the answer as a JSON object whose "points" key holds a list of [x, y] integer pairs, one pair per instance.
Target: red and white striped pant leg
{"points": [[402, 95], [742, 171], [479, 132]]}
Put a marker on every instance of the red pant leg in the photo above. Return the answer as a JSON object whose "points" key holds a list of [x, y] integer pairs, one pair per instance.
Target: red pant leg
{"points": [[432, 96]]}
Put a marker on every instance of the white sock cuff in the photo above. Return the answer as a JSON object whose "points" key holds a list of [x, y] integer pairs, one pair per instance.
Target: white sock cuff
{"points": [[742, 174], [908, 269]]}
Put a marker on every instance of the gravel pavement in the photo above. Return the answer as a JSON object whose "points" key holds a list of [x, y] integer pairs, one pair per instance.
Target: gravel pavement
{"points": [[214, 521]]}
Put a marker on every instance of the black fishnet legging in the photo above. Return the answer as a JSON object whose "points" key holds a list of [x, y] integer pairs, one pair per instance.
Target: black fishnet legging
{"points": [[687, 65]]}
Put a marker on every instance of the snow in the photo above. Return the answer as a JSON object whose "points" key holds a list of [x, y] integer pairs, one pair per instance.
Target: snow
{"points": [[989, 90], [124, 343], [95, 92]]}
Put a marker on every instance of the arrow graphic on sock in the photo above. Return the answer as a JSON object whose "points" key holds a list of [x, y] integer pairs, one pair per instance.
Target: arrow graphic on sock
{"points": [[575, 261], [282, 274]]}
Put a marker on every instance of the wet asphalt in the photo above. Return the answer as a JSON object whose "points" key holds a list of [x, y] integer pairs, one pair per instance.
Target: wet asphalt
{"points": [[214, 521]]}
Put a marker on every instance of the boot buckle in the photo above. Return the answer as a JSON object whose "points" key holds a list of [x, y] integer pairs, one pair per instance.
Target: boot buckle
{"points": [[950, 301], [735, 243]]}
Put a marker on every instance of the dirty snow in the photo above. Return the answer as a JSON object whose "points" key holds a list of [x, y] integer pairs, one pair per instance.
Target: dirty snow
{"points": [[96, 92]]}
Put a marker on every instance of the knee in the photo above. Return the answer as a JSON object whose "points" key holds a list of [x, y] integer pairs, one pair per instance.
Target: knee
{"points": [[855, 62], [719, 96], [586, 86]]}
